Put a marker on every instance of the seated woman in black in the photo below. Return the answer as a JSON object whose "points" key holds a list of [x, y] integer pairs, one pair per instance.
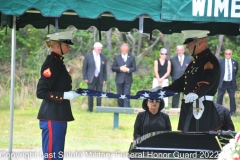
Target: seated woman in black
{"points": [[152, 119]]}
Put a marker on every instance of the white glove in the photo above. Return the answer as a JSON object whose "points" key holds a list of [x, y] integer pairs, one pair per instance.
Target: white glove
{"points": [[70, 95], [190, 97], [155, 89]]}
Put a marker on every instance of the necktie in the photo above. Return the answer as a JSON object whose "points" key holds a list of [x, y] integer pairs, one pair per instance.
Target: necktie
{"points": [[124, 58], [229, 72], [97, 65], [180, 61]]}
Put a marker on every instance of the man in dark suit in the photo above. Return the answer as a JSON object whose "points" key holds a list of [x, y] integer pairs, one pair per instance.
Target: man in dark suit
{"points": [[229, 69], [178, 65], [94, 72], [224, 115], [124, 64]]}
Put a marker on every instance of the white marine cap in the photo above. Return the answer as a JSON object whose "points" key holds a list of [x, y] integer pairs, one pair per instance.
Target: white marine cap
{"points": [[64, 37], [191, 35]]}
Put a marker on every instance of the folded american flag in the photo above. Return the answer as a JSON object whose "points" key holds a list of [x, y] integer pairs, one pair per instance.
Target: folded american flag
{"points": [[143, 94]]}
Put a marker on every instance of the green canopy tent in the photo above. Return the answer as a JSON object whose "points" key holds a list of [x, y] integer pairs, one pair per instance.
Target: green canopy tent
{"points": [[168, 16], [227, 11]]}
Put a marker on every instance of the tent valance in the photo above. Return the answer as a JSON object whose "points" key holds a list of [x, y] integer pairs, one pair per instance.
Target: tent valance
{"points": [[168, 16], [92, 9]]}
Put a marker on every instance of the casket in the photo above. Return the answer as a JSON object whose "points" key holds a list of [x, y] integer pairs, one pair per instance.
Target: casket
{"points": [[178, 145]]}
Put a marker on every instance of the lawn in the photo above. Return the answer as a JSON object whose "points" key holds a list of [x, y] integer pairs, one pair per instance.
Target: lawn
{"points": [[90, 131]]}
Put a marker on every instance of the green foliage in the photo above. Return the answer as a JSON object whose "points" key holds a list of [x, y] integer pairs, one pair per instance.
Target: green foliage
{"points": [[31, 53], [5, 46]]}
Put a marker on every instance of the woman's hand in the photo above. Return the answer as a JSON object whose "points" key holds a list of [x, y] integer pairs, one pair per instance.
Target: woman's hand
{"points": [[160, 81]]}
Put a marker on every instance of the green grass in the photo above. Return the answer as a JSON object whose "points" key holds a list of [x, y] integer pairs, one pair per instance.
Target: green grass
{"points": [[90, 131]]}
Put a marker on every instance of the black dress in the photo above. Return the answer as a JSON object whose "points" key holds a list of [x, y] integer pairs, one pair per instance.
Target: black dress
{"points": [[147, 122], [162, 69]]}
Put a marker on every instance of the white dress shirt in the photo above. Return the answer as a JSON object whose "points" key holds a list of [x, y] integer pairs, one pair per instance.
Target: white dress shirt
{"points": [[97, 61], [181, 58], [226, 70], [124, 56]]}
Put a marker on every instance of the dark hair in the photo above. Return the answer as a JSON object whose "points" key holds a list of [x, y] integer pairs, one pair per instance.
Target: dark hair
{"points": [[145, 106]]}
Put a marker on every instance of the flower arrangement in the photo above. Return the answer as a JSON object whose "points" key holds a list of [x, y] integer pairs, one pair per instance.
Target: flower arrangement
{"points": [[231, 151]]}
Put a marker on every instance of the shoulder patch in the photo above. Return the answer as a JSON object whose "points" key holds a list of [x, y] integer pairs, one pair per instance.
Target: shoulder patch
{"points": [[208, 65], [47, 72]]}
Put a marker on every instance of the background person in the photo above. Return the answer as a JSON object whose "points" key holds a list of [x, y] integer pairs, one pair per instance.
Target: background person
{"points": [[152, 119], [179, 64], [229, 69], [94, 72], [54, 87], [162, 69], [199, 81], [225, 117], [124, 65]]}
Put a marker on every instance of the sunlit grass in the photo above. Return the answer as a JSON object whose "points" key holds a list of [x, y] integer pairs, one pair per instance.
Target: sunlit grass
{"points": [[89, 131]]}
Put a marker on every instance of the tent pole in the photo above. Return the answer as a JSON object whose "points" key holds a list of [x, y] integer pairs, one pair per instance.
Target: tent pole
{"points": [[141, 21], [99, 28], [13, 52]]}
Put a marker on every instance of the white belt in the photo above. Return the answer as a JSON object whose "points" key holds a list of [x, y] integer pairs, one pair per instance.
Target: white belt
{"points": [[206, 98], [197, 112]]}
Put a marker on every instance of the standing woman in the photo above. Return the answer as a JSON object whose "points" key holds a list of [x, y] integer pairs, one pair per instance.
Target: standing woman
{"points": [[54, 87], [162, 69]]}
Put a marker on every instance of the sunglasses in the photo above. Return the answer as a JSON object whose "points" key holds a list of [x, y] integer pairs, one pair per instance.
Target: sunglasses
{"points": [[228, 53], [154, 100], [163, 53]]}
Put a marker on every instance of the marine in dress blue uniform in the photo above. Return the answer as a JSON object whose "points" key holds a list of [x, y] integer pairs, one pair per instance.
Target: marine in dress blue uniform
{"points": [[54, 87], [199, 81]]}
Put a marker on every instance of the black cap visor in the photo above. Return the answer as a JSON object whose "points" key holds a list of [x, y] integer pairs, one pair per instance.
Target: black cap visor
{"points": [[188, 40], [67, 41]]}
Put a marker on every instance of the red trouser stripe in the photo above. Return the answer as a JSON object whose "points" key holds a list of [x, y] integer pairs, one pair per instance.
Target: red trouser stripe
{"points": [[50, 139]]}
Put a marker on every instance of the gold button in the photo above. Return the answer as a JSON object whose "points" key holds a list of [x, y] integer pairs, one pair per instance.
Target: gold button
{"points": [[193, 61], [185, 82], [60, 97], [56, 96], [51, 95], [184, 88], [187, 71], [185, 76], [196, 56]]}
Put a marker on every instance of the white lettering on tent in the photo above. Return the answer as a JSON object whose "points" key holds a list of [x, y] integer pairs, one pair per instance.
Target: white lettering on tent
{"points": [[209, 9], [235, 7], [221, 6], [198, 7]]}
